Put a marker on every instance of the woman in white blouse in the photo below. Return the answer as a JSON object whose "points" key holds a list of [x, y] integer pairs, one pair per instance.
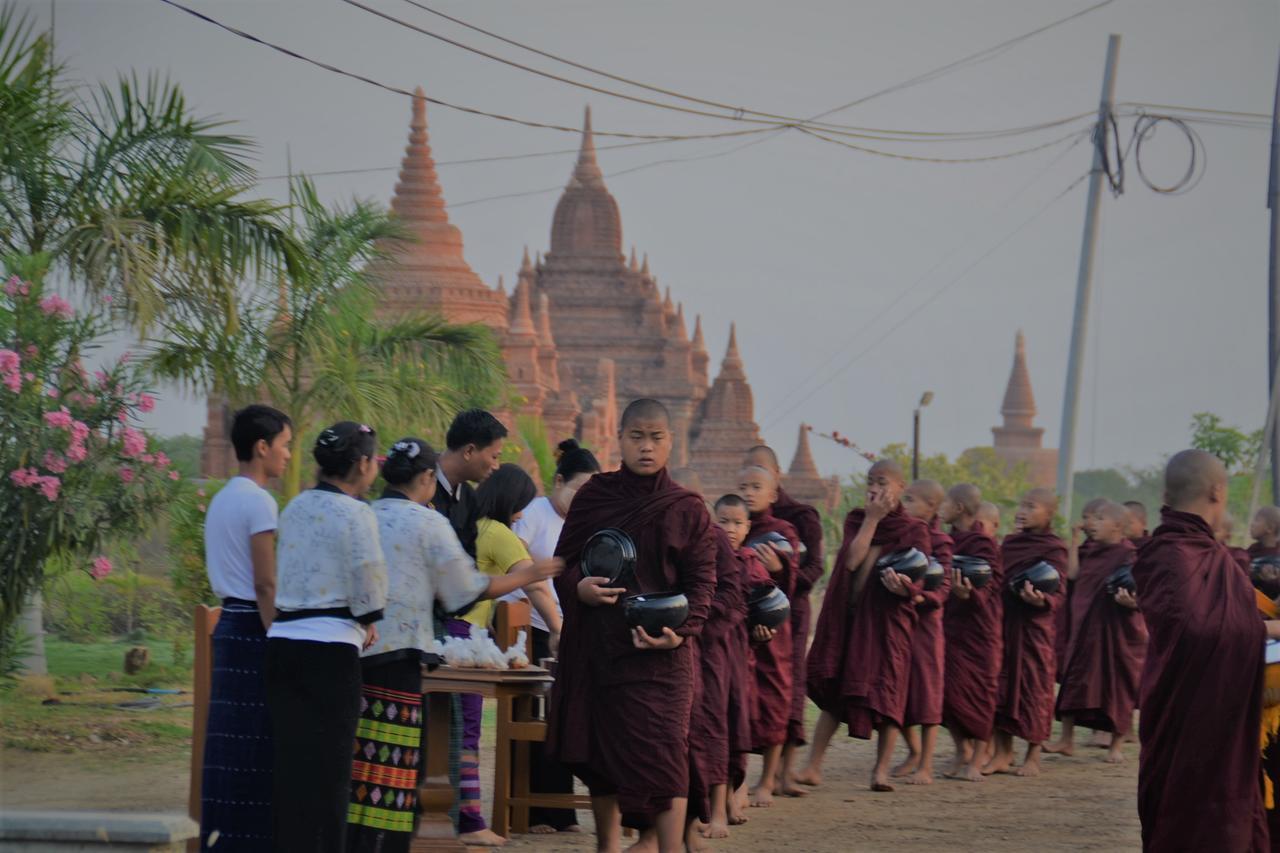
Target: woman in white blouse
{"points": [[425, 563]]}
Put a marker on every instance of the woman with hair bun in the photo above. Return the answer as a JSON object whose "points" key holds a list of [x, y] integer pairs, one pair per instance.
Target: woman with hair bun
{"points": [[331, 588], [426, 563]]}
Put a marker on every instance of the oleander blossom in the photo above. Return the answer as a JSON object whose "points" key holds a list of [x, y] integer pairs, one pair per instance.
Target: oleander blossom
{"points": [[49, 487], [100, 568], [54, 461], [77, 453], [146, 403], [162, 459], [127, 475], [24, 477], [174, 475], [135, 443], [56, 306], [61, 419]]}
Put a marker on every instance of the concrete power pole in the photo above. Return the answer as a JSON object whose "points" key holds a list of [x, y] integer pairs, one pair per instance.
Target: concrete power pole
{"points": [[1084, 283], [1273, 298]]}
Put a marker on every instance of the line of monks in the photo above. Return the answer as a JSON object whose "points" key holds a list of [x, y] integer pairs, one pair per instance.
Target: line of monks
{"points": [[659, 727]]}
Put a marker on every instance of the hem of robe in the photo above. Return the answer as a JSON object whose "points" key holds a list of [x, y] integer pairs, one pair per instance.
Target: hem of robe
{"points": [[796, 732], [965, 730], [1009, 725], [1096, 719], [640, 809]]}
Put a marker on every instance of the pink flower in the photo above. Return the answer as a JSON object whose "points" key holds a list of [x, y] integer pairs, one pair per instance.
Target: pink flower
{"points": [[200, 507], [77, 453], [127, 475], [79, 432], [146, 403], [55, 305], [30, 377], [54, 461], [101, 568], [61, 418], [9, 361], [200, 493], [162, 460], [108, 299], [11, 286], [101, 376], [174, 475], [24, 477], [123, 416], [135, 443], [53, 393], [49, 487], [147, 459], [31, 350], [13, 381]]}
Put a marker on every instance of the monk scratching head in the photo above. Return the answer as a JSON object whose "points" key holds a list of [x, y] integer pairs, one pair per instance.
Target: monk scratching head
{"points": [[644, 437], [960, 507], [1036, 510], [1196, 482], [1137, 523], [734, 518], [688, 478], [886, 478], [1265, 527], [922, 499], [763, 455], [988, 519], [758, 487], [1107, 523]]}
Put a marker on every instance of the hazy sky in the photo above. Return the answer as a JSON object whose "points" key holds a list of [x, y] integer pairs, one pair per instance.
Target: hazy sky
{"points": [[803, 243]]}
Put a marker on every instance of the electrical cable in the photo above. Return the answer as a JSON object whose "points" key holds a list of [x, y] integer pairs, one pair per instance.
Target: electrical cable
{"points": [[982, 159]]}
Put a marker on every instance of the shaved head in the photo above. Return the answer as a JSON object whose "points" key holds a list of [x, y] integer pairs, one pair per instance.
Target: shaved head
{"points": [[1270, 516], [688, 478], [1112, 511], [890, 469], [1138, 510], [763, 455], [1044, 497], [967, 496], [1192, 478], [929, 491], [644, 409], [988, 516], [1092, 506]]}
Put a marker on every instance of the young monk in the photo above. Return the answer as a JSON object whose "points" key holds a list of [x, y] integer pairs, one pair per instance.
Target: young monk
{"points": [[988, 520], [1079, 546], [808, 524], [1109, 641], [1264, 530], [1225, 532], [1024, 703], [860, 660], [622, 700], [972, 630], [773, 673], [1136, 526], [925, 690], [1201, 697]]}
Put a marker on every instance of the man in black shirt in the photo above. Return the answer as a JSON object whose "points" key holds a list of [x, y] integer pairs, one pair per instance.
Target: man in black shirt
{"points": [[473, 451]]}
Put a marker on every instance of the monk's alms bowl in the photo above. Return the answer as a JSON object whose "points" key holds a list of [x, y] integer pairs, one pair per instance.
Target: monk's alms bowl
{"points": [[609, 554], [975, 570], [767, 605], [910, 562], [1265, 570], [1121, 578], [774, 538], [1044, 578], [934, 575], [654, 611]]}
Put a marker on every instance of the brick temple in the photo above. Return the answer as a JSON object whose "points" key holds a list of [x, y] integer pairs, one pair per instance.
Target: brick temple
{"points": [[1018, 440]]}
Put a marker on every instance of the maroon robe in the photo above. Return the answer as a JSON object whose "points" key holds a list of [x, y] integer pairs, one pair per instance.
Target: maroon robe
{"points": [[1062, 620], [1198, 775], [928, 648], [1257, 549], [974, 639], [619, 715], [1024, 699], [743, 685], [860, 659], [773, 660], [808, 524], [1108, 645]]}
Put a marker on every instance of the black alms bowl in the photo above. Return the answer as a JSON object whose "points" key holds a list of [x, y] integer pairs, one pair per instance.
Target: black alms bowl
{"points": [[934, 575], [774, 538], [910, 562], [609, 554], [1121, 578], [1043, 577], [767, 605], [654, 611], [974, 569]]}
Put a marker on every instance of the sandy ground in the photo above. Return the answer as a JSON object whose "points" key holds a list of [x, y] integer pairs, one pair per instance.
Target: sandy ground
{"points": [[1080, 803]]}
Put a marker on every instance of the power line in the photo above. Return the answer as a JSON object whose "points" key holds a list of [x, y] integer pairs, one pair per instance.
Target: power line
{"points": [[980, 159]]}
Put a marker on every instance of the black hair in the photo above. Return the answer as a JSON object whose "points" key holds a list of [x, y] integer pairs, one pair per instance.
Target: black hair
{"points": [[341, 446], [254, 423], [731, 499], [575, 460], [408, 458], [504, 493], [474, 426], [643, 409]]}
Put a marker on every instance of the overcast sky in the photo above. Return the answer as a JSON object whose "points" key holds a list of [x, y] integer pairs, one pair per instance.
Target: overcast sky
{"points": [[806, 244]]}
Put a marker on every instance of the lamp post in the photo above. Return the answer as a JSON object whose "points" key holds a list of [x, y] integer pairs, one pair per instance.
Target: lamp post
{"points": [[925, 399]]}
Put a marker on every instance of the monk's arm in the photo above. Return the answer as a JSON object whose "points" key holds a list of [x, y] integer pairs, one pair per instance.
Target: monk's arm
{"points": [[861, 546], [698, 572], [1073, 557], [810, 530]]}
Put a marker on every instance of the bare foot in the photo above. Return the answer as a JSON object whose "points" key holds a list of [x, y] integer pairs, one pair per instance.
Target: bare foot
{"points": [[971, 773], [882, 788], [482, 838], [1100, 740], [1000, 763], [921, 777], [572, 828], [956, 770], [643, 846], [542, 829], [1028, 769], [693, 841], [809, 776], [1061, 748], [715, 829], [906, 768], [737, 818], [791, 789], [1114, 756], [762, 797]]}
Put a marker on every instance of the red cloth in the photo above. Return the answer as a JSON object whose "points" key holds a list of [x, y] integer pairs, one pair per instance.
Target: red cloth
{"points": [[1062, 620], [928, 648], [808, 524], [1257, 549], [1198, 776], [1109, 643], [1024, 699], [743, 702], [974, 639], [1242, 558], [860, 658], [619, 715], [773, 666]]}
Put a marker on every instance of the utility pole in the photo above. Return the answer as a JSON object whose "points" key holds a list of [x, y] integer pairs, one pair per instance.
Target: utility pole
{"points": [[1273, 297], [1084, 283]]}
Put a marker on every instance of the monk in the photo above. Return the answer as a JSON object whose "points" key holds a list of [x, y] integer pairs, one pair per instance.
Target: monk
{"points": [[1136, 527], [860, 660], [808, 524], [988, 520], [1109, 641], [622, 700], [926, 686], [1078, 547], [1024, 700], [1264, 530], [1201, 693], [972, 630], [1225, 532]]}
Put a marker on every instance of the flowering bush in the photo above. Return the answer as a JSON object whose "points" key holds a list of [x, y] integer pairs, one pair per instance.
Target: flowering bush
{"points": [[73, 467]]}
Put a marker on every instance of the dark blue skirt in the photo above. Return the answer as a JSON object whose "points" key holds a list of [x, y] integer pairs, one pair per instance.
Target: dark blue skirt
{"points": [[236, 788]]}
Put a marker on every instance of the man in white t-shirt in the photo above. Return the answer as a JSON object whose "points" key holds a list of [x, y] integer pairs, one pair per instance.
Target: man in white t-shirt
{"points": [[240, 557], [539, 526]]}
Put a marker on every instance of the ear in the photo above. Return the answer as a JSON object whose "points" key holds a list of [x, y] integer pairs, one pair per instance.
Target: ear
{"points": [[1218, 493], [260, 448]]}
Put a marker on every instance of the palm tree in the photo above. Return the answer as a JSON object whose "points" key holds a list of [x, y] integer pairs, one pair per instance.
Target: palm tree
{"points": [[121, 188], [315, 348]]}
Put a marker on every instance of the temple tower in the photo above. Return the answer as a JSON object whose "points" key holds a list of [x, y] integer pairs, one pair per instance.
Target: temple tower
{"points": [[1018, 440]]}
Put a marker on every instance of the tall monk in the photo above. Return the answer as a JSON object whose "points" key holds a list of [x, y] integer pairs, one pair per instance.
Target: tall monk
{"points": [[988, 520], [972, 629], [1136, 527], [1100, 673], [808, 524], [621, 703], [1024, 700], [860, 660], [925, 689], [1201, 694]]}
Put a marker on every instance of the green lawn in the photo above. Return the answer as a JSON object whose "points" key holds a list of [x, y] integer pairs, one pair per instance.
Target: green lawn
{"points": [[104, 661]]}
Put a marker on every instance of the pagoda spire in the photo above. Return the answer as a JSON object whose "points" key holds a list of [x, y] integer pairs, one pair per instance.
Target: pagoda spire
{"points": [[644, 268], [418, 197], [502, 287], [680, 329], [543, 322], [522, 318], [699, 342], [1019, 407], [587, 171], [802, 463], [633, 265], [732, 367], [526, 266]]}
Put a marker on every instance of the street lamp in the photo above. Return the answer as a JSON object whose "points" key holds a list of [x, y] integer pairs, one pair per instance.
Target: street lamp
{"points": [[925, 399]]}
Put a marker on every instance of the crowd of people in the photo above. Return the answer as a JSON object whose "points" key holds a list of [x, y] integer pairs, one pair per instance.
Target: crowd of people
{"points": [[930, 619]]}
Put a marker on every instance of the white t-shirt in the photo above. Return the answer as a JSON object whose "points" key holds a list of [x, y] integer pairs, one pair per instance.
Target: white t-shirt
{"points": [[539, 526], [239, 511]]}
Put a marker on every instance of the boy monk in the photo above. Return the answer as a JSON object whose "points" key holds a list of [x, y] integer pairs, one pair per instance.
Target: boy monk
{"points": [[972, 630], [1109, 641], [925, 687], [860, 660], [1076, 551], [1264, 530], [808, 524], [1136, 528], [1201, 696], [1024, 701], [988, 520], [621, 703]]}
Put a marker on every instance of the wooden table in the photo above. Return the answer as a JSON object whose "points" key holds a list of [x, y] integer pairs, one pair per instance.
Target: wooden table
{"points": [[435, 797]]}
